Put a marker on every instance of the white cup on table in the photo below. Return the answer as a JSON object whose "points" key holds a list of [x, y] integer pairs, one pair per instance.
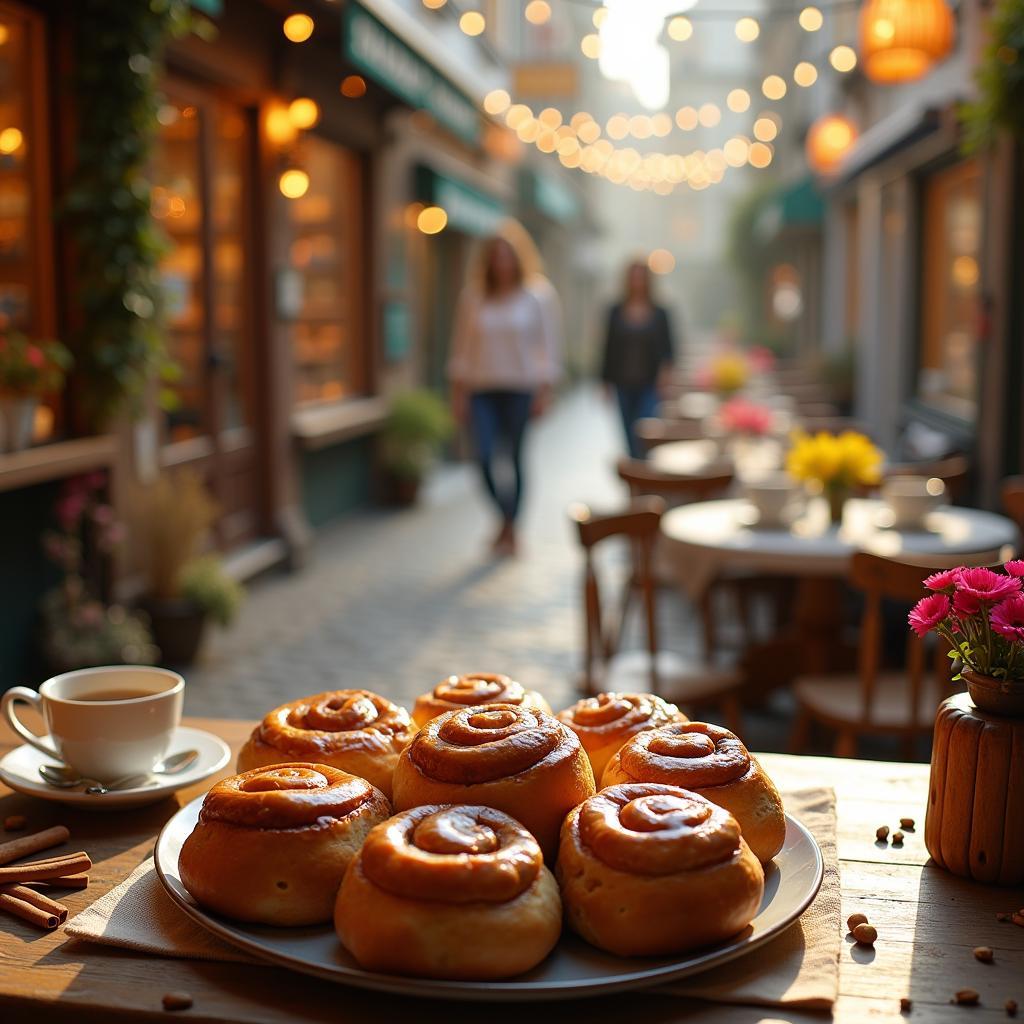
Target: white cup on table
{"points": [[911, 498], [105, 722]]}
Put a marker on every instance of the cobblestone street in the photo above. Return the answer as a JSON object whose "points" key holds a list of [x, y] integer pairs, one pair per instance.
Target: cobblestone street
{"points": [[395, 600]]}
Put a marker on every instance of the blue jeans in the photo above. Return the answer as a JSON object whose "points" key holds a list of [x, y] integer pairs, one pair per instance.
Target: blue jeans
{"points": [[499, 423], [636, 405]]}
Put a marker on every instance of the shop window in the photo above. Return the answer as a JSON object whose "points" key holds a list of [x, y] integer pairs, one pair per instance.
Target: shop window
{"points": [[325, 256], [199, 175], [951, 240]]}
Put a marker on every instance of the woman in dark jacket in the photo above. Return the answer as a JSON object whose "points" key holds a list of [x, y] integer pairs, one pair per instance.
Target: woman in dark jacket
{"points": [[638, 352]]}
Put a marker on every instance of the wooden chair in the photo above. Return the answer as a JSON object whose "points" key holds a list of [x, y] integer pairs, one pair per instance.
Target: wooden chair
{"points": [[643, 479], [653, 431], [951, 470], [605, 666], [1013, 500], [873, 701]]}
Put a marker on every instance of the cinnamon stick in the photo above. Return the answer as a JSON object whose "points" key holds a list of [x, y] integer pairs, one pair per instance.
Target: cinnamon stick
{"points": [[37, 900], [25, 846], [64, 882], [27, 912], [43, 870]]}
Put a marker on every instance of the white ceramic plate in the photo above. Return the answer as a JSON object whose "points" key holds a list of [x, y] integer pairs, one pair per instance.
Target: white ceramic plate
{"points": [[19, 769], [574, 969]]}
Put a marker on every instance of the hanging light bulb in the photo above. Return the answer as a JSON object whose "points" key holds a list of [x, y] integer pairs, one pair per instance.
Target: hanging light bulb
{"points": [[900, 40], [828, 141], [293, 183], [298, 27]]}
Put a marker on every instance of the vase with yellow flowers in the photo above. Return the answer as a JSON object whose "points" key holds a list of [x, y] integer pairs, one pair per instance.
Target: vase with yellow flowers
{"points": [[835, 465], [726, 373]]}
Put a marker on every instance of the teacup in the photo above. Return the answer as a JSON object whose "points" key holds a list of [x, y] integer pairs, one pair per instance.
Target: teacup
{"points": [[771, 496], [105, 722], [911, 498]]}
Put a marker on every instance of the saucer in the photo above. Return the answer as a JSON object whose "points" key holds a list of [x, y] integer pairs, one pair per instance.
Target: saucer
{"points": [[19, 770]]}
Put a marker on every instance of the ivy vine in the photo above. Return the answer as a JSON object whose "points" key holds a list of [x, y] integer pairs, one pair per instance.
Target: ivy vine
{"points": [[1000, 78], [119, 345]]}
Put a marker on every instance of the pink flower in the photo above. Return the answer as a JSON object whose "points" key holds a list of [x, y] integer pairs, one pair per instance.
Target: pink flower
{"points": [[742, 417], [761, 359], [1015, 568], [965, 605], [943, 580], [987, 586], [1008, 618], [928, 613]]}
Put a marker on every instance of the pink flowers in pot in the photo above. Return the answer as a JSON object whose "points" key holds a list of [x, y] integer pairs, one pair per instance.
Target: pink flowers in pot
{"points": [[740, 416], [980, 613]]}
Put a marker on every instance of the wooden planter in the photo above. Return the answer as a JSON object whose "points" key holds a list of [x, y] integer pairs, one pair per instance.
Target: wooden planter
{"points": [[975, 821]]}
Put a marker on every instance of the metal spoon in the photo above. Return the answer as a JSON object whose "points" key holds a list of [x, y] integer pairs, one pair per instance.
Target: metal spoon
{"points": [[65, 777]]}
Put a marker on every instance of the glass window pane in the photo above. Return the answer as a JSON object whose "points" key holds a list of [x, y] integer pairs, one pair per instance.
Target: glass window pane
{"points": [[323, 256]]}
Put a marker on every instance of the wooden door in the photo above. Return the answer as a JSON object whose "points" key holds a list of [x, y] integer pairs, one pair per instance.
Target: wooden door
{"points": [[202, 177]]}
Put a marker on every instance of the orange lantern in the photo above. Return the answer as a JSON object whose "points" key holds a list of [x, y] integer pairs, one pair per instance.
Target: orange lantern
{"points": [[828, 141], [901, 39]]}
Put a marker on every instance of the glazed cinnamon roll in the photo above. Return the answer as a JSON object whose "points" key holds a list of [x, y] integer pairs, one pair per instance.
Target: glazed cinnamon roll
{"points": [[477, 688], [711, 761], [272, 844], [354, 730], [519, 760], [648, 870], [449, 892], [603, 723]]}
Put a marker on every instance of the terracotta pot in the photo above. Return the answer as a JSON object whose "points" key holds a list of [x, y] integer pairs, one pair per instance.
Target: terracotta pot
{"points": [[996, 696], [177, 627], [17, 420]]}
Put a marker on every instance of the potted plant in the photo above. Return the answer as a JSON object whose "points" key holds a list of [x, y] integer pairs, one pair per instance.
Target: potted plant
{"points": [[418, 424], [28, 371], [980, 614], [834, 465], [184, 588], [78, 628]]}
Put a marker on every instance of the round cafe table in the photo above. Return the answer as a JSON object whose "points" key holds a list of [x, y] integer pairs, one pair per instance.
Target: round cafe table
{"points": [[751, 459], [708, 539]]}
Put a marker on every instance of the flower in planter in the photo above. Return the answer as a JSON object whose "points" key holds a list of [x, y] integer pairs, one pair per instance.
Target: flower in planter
{"points": [[980, 614], [29, 369]]}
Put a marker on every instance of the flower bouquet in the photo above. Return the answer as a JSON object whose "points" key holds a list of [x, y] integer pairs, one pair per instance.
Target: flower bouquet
{"points": [[28, 370], [980, 614], [834, 464], [725, 373], [746, 418]]}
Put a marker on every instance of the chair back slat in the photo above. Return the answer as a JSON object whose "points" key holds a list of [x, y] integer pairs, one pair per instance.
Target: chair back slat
{"points": [[952, 470], [1013, 500], [644, 479]]}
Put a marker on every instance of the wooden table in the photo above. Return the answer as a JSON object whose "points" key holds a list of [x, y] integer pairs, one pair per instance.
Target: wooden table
{"points": [[928, 923]]}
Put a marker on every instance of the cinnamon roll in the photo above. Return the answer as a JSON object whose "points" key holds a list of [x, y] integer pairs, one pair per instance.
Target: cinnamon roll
{"points": [[449, 892], [477, 688], [272, 844], [354, 730], [603, 723], [648, 870], [713, 762], [519, 760]]}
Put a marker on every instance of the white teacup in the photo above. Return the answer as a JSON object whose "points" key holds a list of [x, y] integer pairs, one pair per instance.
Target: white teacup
{"points": [[771, 496], [105, 722], [911, 498]]}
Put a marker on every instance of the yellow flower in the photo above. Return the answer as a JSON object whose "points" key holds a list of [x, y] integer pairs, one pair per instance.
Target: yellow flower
{"points": [[729, 373], [846, 460]]}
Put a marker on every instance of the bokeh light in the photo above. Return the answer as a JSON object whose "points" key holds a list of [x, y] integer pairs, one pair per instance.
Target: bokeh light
{"points": [[497, 101], [303, 112], [473, 24], [432, 220], [293, 183], [298, 27], [843, 58], [661, 261], [738, 101], [680, 29], [774, 87], [811, 19], [538, 12], [353, 86], [805, 74], [747, 30]]}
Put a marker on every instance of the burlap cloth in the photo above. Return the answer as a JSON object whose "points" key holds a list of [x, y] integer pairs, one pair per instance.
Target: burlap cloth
{"points": [[799, 969]]}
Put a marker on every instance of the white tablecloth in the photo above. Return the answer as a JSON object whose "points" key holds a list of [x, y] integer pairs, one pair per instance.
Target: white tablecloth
{"points": [[703, 539]]}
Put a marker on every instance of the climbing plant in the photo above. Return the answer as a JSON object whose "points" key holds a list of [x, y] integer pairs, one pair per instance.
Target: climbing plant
{"points": [[1000, 79], [119, 341]]}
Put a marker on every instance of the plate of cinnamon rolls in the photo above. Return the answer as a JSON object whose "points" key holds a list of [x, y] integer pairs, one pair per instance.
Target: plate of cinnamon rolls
{"points": [[484, 847]]}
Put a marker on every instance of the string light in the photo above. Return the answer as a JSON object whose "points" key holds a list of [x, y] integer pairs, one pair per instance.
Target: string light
{"points": [[805, 74], [617, 126], [811, 19], [472, 23], [537, 12], [661, 261], [278, 126], [709, 115], [590, 132], [747, 30], [738, 101], [497, 101], [760, 155], [298, 27], [661, 125], [303, 112], [353, 86], [680, 29], [774, 87], [590, 44], [11, 140], [516, 114], [686, 118], [293, 183], [434, 5], [432, 220], [765, 129], [843, 58], [600, 16], [550, 118]]}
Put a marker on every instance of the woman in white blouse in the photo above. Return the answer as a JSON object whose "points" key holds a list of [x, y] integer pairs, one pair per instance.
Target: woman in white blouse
{"points": [[505, 360]]}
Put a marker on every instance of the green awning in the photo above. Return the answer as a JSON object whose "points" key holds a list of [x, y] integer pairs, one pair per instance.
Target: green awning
{"points": [[551, 196], [801, 203], [468, 209]]}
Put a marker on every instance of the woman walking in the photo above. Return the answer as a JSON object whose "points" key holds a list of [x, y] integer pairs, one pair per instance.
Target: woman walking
{"points": [[505, 360], [638, 352]]}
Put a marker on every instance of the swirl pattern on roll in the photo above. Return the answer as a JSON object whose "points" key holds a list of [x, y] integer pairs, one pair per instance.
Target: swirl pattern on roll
{"points": [[453, 853], [336, 720], [694, 755], [479, 688], [485, 743], [653, 829], [618, 713], [287, 796]]}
